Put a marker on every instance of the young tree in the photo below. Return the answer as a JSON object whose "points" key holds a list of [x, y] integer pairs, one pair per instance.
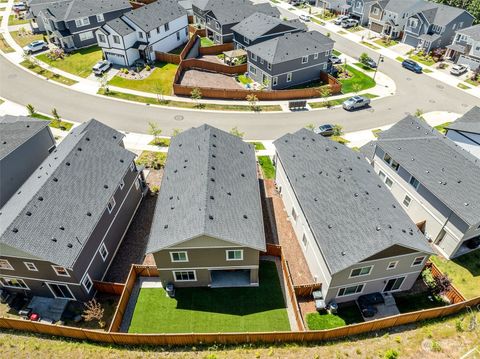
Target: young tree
{"points": [[104, 83], [337, 130], [325, 92], [356, 88], [363, 57], [310, 126], [196, 95], [176, 131], [234, 131], [31, 110], [252, 100], [56, 117], [93, 311], [154, 130], [418, 113]]}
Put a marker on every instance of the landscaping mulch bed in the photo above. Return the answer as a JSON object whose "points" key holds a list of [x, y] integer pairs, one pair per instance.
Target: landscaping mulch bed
{"points": [[196, 78], [134, 75]]}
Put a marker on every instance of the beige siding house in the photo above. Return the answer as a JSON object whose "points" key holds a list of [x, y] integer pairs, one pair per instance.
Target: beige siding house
{"points": [[208, 226], [355, 237], [434, 180]]}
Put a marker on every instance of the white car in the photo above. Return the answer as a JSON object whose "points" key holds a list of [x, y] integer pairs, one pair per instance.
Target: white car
{"points": [[304, 17], [101, 66], [348, 23], [356, 102], [338, 20], [21, 6], [35, 46], [458, 70]]}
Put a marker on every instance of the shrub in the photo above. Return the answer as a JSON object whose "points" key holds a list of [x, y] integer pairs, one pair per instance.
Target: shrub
{"points": [[391, 354], [93, 311]]}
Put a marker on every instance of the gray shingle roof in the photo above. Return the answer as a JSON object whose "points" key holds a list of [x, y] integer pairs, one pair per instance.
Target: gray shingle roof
{"points": [[469, 122], [16, 130], [74, 9], [401, 6], [156, 14], [439, 14], [444, 168], [119, 26], [472, 31], [350, 212], [227, 13], [69, 190], [209, 187], [292, 46]]}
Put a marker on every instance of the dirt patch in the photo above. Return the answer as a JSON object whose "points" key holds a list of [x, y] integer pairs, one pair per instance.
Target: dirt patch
{"points": [[196, 78]]}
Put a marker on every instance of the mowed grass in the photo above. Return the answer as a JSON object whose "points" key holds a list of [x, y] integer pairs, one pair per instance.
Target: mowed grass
{"points": [[79, 62], [47, 74], [359, 79], [267, 167], [23, 39], [4, 46], [207, 310], [13, 20], [160, 80], [464, 272], [419, 301], [346, 315]]}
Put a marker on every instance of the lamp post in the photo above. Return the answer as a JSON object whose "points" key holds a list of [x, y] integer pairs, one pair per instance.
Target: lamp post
{"points": [[380, 59]]}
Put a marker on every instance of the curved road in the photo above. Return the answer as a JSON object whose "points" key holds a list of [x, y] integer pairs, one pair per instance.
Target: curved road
{"points": [[413, 92]]}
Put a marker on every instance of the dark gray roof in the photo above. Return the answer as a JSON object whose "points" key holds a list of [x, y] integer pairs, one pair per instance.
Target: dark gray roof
{"points": [[156, 14], [472, 31], [469, 122], [259, 24], [77, 179], [401, 6], [16, 130], [227, 13], [119, 26], [292, 46], [444, 168], [350, 212], [439, 14], [74, 9], [210, 188]]}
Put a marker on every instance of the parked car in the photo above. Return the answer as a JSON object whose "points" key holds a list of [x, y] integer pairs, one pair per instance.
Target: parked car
{"points": [[335, 59], [101, 66], [348, 23], [37, 45], [370, 62], [356, 102], [338, 20], [21, 6], [304, 17], [324, 130], [458, 70], [412, 66]]}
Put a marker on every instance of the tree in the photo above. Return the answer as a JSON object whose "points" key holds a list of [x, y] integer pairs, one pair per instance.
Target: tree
{"points": [[252, 100], [176, 131], [154, 130], [310, 126], [196, 95], [364, 57], [418, 113], [104, 83], [234, 131], [337, 130], [31, 110], [56, 117], [93, 311], [325, 92]]}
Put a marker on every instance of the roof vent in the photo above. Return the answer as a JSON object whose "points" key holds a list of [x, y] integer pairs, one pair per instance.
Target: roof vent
{"points": [[69, 245], [105, 186], [466, 204], [87, 139], [55, 179], [89, 214], [210, 217], [327, 149], [377, 228], [211, 197], [165, 226], [62, 228], [243, 175], [213, 168], [121, 161], [367, 193], [179, 145], [229, 193], [114, 137], [214, 135], [368, 171], [212, 179], [389, 226], [294, 155], [184, 167], [404, 231], [343, 253], [175, 171], [355, 194], [214, 156], [79, 149], [320, 172], [245, 216], [315, 199], [68, 163], [15, 230], [303, 175], [214, 145], [394, 206], [28, 213], [186, 160], [53, 239], [241, 152], [172, 207], [330, 226], [40, 199]]}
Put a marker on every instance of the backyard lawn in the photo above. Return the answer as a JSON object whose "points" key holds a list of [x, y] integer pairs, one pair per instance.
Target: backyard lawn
{"points": [[346, 315], [358, 79], [464, 272], [13, 20], [23, 39], [159, 81], [258, 146], [205, 42], [267, 167], [79, 62], [418, 301], [202, 310]]}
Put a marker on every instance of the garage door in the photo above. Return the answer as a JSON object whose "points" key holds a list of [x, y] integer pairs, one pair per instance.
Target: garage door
{"points": [[116, 59], [410, 40], [376, 27]]}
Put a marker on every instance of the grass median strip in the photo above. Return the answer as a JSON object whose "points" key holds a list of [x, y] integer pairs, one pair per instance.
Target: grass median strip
{"points": [[184, 104], [47, 74], [62, 125], [4, 46], [372, 46], [13, 20], [258, 146], [336, 102]]}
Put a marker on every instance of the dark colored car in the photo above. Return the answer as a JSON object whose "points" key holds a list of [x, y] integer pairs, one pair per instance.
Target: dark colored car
{"points": [[412, 66], [324, 130], [370, 62]]}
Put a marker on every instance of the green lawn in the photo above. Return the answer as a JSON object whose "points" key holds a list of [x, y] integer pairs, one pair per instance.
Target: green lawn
{"points": [[244, 79], [376, 132], [202, 310], [79, 62], [47, 74], [23, 39], [413, 302], [258, 146], [161, 142], [206, 42], [358, 77], [12, 20], [336, 52], [423, 60], [463, 86], [399, 58], [151, 159], [267, 167], [319, 22], [441, 128], [363, 66], [427, 71], [383, 43], [346, 315], [472, 82], [62, 125], [464, 271], [4, 46], [372, 46], [159, 81]]}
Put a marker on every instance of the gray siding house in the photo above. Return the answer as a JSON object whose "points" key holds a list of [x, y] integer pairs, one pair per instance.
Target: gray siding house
{"points": [[336, 6], [465, 48], [434, 180], [465, 131], [324, 187], [70, 24], [360, 10], [434, 25], [208, 226], [24, 143], [388, 17], [61, 230], [260, 27], [289, 60]]}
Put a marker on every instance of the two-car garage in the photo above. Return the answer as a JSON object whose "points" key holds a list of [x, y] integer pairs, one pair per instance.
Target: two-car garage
{"points": [[116, 59]]}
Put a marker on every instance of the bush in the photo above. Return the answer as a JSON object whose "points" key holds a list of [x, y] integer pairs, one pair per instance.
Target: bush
{"points": [[148, 68], [391, 354]]}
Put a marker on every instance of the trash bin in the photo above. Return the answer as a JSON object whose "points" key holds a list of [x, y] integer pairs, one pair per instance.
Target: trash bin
{"points": [[170, 289], [332, 307]]}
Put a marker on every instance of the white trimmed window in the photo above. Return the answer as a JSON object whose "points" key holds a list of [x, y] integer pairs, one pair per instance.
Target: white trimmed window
{"points": [[246, 40], [217, 25], [234, 255], [87, 35], [111, 205], [412, 22], [406, 201], [388, 182], [414, 182], [167, 26], [122, 184], [269, 65], [304, 59], [394, 164], [315, 56], [178, 35], [140, 35], [13, 283], [132, 166], [289, 77], [179, 256], [304, 240], [100, 18], [359, 272], [103, 252], [82, 22], [261, 60], [87, 283], [61, 271], [253, 56], [252, 70], [101, 38], [382, 175], [274, 80], [116, 39], [137, 183], [343, 292], [185, 276], [418, 261], [392, 265], [31, 266], [4, 264], [294, 214]]}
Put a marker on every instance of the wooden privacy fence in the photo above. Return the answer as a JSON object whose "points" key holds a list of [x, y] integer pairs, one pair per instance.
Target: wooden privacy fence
{"points": [[305, 290], [453, 294], [212, 67], [109, 287], [192, 29], [167, 57], [216, 49], [274, 250], [291, 294]]}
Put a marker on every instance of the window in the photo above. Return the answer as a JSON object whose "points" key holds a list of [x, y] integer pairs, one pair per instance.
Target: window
{"points": [[132, 166], [412, 22], [82, 22], [31, 266], [137, 184], [167, 26], [304, 240], [375, 11], [235, 255], [140, 34], [388, 182], [382, 175], [247, 41], [274, 80], [414, 182], [269, 65], [60, 291], [261, 60], [122, 184], [315, 56], [392, 265], [394, 164], [358, 5], [406, 201], [158, 30], [294, 214], [87, 283], [217, 26], [87, 35], [103, 251], [252, 70], [178, 35], [61, 271], [418, 261], [13, 283], [179, 256], [304, 59], [358, 272], [253, 56], [4, 264], [184, 276], [100, 18], [387, 158], [342, 292], [101, 38], [111, 205], [116, 39], [289, 77]]}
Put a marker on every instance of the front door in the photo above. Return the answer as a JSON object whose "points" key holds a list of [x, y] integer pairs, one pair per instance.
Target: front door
{"points": [[393, 284], [60, 291]]}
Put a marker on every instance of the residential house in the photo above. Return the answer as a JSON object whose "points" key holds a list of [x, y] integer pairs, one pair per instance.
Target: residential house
{"points": [[465, 131], [434, 180], [260, 27], [158, 26], [70, 24], [388, 17], [355, 237], [465, 48], [360, 10], [208, 228], [224, 16], [61, 230], [289, 60], [202, 7], [336, 6], [24, 143], [434, 25]]}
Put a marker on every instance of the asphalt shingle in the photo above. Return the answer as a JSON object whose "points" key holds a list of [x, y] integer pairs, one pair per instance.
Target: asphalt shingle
{"points": [[469, 122], [156, 14]]}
